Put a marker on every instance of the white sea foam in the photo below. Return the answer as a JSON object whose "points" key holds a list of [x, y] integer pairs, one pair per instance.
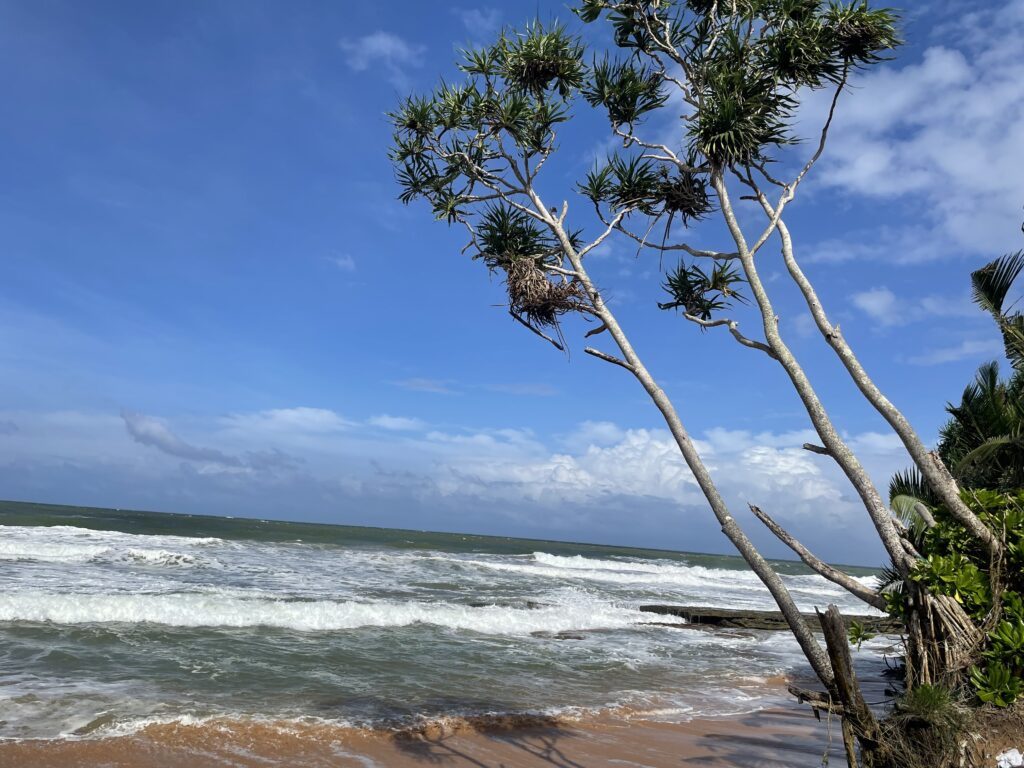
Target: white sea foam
{"points": [[206, 610], [628, 572], [68, 544]]}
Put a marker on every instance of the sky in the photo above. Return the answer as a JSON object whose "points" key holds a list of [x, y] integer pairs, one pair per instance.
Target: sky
{"points": [[212, 302]]}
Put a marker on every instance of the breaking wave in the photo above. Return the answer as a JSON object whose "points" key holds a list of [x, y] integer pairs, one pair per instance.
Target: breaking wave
{"points": [[67, 544], [203, 610]]}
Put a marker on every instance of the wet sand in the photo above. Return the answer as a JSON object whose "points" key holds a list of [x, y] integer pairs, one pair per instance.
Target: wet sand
{"points": [[787, 736]]}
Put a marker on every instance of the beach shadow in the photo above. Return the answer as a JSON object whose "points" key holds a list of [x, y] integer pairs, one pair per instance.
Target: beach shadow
{"points": [[771, 739], [536, 736]]}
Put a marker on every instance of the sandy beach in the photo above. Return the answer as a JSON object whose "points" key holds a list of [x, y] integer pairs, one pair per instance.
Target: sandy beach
{"points": [[785, 736]]}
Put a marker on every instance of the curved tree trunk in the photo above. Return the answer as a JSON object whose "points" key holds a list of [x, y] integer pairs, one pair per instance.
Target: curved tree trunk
{"points": [[931, 467], [834, 444], [814, 653]]}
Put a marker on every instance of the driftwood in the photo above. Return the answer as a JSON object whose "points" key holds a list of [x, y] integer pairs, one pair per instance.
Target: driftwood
{"points": [[767, 620], [858, 723]]}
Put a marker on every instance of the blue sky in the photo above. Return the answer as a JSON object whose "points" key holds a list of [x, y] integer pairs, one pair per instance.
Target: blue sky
{"points": [[211, 301]]}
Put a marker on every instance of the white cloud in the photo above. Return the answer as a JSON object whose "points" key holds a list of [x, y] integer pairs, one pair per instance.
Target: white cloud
{"points": [[598, 477], [288, 420], [976, 348], [397, 423], [887, 309], [767, 469], [344, 262], [599, 433], [879, 304], [479, 22], [395, 55], [946, 133]]}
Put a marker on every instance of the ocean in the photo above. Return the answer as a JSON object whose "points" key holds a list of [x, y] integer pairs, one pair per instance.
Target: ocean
{"points": [[112, 621]]}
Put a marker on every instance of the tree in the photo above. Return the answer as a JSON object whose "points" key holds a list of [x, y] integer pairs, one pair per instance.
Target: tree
{"points": [[476, 151], [984, 441]]}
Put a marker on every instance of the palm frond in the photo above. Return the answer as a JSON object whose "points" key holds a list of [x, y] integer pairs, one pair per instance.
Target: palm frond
{"points": [[991, 283], [911, 484]]}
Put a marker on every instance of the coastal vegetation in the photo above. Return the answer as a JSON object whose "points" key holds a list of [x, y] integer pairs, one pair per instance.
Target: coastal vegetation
{"points": [[953, 525]]}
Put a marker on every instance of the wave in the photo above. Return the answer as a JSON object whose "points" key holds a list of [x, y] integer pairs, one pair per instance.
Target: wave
{"points": [[204, 610], [578, 567], [593, 564], [629, 571], [67, 544]]}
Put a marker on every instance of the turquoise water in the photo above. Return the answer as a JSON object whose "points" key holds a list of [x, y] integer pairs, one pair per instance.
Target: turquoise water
{"points": [[110, 619]]}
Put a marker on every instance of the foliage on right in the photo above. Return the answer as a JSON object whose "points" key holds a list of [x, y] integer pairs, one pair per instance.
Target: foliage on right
{"points": [[983, 444]]}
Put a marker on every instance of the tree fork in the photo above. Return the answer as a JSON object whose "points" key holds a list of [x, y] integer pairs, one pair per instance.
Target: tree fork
{"points": [[819, 566]]}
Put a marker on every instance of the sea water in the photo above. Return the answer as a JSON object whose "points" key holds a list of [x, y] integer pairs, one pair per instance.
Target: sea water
{"points": [[112, 620]]}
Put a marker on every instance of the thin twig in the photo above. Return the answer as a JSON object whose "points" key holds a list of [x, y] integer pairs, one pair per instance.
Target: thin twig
{"points": [[539, 332], [609, 358]]}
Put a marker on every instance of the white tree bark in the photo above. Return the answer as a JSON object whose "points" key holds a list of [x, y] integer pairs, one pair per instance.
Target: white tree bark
{"points": [[819, 566], [935, 472], [812, 650], [833, 443]]}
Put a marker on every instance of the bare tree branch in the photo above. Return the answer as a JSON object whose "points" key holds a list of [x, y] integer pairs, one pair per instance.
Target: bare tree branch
{"points": [[539, 332], [817, 449], [695, 252], [611, 227], [609, 358], [734, 329], [844, 580]]}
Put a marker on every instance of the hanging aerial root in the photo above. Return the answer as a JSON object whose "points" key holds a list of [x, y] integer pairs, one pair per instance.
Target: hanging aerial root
{"points": [[942, 640]]}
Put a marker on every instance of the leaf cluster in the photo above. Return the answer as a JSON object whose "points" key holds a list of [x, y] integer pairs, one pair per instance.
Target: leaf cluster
{"points": [[953, 564], [744, 62], [700, 294], [505, 235], [511, 242], [448, 145], [635, 183], [627, 90]]}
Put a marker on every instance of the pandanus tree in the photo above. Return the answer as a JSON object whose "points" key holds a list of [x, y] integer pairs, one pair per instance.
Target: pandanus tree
{"points": [[476, 151]]}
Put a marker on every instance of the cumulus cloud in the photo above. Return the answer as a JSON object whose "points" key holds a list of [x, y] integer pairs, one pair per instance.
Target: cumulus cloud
{"points": [[945, 132], [397, 423], [479, 22], [768, 469], [389, 51], [887, 309], [288, 420], [599, 433], [969, 348], [344, 262]]}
